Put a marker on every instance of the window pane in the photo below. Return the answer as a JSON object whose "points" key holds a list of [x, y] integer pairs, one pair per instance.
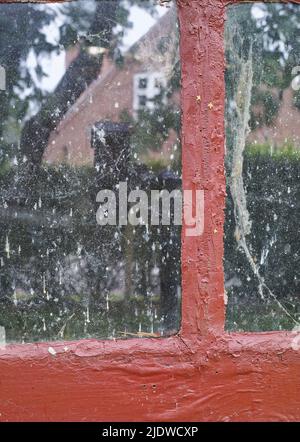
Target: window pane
{"points": [[262, 240], [89, 126], [143, 83]]}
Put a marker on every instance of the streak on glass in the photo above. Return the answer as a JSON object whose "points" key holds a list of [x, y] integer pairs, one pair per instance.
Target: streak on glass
{"points": [[262, 238]]}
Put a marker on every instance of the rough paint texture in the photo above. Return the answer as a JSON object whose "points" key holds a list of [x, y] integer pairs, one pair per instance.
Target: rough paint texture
{"points": [[203, 373]]}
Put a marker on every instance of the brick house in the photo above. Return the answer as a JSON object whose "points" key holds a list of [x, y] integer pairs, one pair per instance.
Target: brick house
{"points": [[117, 89]]}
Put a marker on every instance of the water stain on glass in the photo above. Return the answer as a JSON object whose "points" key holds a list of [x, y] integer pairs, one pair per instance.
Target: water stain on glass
{"points": [[262, 279]]}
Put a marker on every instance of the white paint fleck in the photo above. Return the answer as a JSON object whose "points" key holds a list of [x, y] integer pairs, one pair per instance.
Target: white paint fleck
{"points": [[7, 247], [101, 135], [2, 336], [52, 351]]}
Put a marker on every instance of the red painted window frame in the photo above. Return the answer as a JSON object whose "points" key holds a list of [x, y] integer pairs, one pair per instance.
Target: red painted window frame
{"points": [[203, 373]]}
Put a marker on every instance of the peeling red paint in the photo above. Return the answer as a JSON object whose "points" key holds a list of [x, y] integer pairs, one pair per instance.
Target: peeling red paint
{"points": [[203, 374], [238, 377]]}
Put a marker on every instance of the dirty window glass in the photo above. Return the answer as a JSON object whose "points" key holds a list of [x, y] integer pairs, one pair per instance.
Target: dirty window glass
{"points": [[89, 133], [262, 238]]}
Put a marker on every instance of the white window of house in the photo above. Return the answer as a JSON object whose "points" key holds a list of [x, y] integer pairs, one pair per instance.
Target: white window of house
{"points": [[146, 87]]}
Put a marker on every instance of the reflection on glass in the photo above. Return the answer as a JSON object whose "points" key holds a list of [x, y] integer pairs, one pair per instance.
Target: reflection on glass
{"points": [[90, 99], [262, 240]]}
